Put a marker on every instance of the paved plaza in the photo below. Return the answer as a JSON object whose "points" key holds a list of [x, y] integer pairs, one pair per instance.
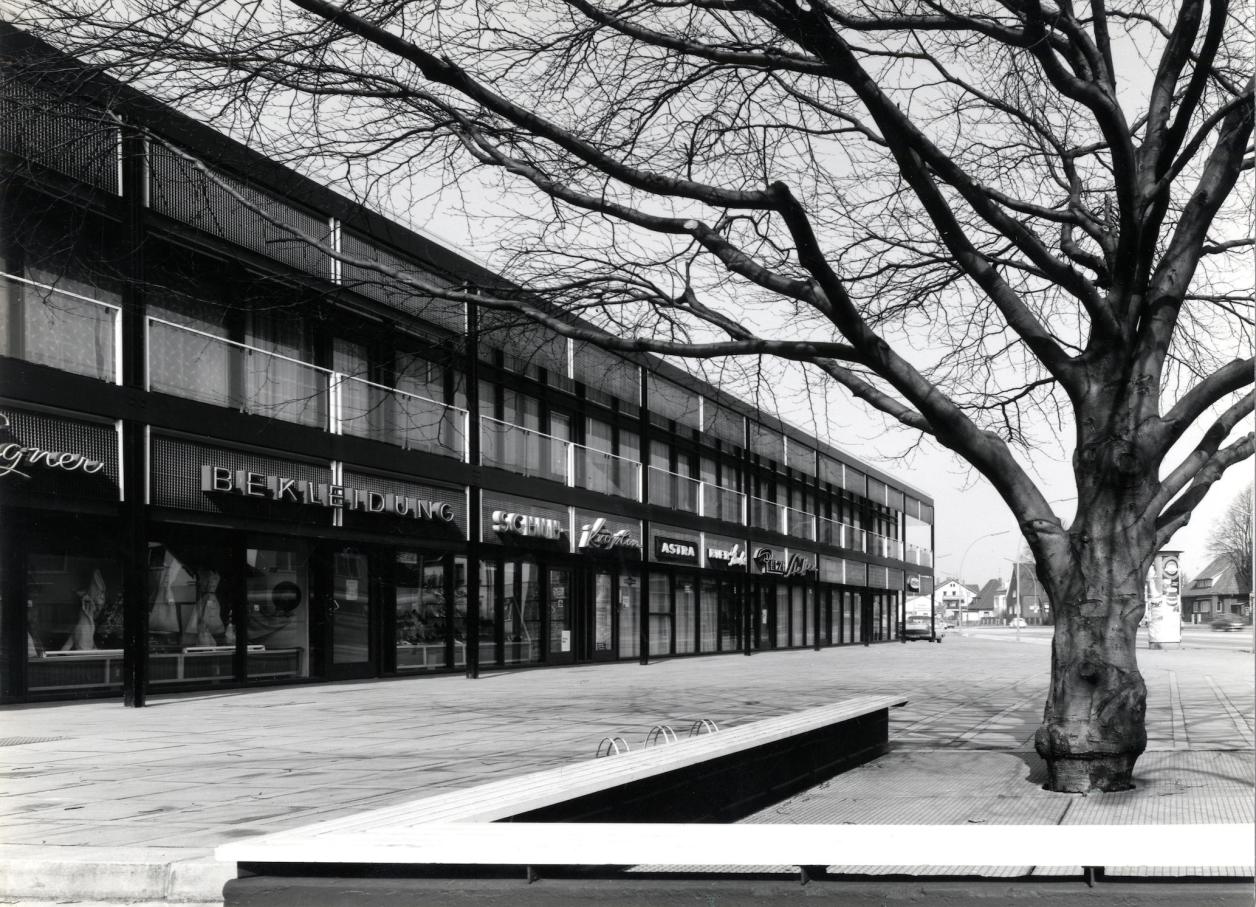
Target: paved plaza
{"points": [[101, 802]]}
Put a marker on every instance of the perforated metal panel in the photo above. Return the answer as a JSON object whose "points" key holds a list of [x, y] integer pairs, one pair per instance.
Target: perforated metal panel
{"points": [[268, 225], [455, 497], [74, 139], [47, 432], [176, 472], [723, 423], [375, 283], [878, 577], [856, 573], [831, 569], [606, 373]]}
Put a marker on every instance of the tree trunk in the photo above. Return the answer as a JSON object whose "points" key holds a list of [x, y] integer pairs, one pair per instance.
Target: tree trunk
{"points": [[1093, 727]]}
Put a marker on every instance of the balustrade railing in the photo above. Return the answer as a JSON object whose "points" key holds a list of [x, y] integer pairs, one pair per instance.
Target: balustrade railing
{"points": [[800, 524], [369, 410], [522, 450], [669, 489], [843, 535], [605, 473], [60, 329], [765, 515], [200, 366], [723, 503], [920, 556]]}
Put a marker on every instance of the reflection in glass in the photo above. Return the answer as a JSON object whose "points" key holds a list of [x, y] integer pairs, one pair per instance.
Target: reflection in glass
{"points": [[277, 585], [422, 615], [488, 613], [191, 633], [782, 616], [686, 614], [708, 607], [660, 615], [603, 612], [629, 615]]}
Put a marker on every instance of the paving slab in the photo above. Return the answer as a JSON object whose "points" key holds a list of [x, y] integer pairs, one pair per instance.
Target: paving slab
{"points": [[197, 770]]}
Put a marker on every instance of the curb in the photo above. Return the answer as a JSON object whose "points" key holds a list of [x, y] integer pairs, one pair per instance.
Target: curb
{"points": [[112, 874]]}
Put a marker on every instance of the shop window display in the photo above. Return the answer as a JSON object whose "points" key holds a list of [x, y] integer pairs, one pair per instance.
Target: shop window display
{"points": [[73, 622], [686, 613], [191, 634], [660, 615], [422, 612], [277, 628], [629, 615]]}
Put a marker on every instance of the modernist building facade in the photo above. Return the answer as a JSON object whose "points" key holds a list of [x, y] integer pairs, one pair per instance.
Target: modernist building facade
{"points": [[235, 450]]}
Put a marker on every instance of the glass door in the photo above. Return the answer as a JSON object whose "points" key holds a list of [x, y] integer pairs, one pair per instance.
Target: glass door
{"points": [[603, 616], [349, 615], [561, 606]]}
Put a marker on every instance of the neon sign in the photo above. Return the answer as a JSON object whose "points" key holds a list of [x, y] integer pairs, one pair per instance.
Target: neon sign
{"points": [[13, 455]]}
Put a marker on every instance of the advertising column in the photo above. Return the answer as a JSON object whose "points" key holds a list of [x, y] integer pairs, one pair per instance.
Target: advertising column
{"points": [[1164, 601]]}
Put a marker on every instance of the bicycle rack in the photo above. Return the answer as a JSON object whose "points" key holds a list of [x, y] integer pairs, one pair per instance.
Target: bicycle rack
{"points": [[703, 726], [660, 733], [610, 746]]}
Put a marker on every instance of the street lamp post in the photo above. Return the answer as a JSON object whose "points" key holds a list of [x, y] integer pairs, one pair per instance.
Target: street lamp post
{"points": [[980, 538]]}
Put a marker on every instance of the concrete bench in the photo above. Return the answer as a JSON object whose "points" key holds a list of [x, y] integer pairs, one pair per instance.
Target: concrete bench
{"points": [[720, 776], [757, 845]]}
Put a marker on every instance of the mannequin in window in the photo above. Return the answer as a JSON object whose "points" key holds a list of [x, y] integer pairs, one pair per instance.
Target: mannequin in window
{"points": [[91, 601], [206, 622]]}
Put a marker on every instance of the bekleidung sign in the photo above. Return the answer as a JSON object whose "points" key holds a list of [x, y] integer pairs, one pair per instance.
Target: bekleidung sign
{"points": [[677, 550], [221, 480]]}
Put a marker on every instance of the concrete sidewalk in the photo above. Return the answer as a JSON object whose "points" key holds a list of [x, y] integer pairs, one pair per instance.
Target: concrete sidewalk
{"points": [[104, 803]]}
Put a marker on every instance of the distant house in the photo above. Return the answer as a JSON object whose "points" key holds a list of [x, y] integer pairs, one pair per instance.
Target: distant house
{"points": [[1025, 596], [990, 605], [953, 597], [1214, 592]]}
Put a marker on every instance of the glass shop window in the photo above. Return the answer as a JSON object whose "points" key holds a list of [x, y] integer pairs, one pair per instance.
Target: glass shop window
{"points": [[686, 614], [422, 612], [629, 615], [277, 583], [660, 614], [191, 632], [73, 621]]}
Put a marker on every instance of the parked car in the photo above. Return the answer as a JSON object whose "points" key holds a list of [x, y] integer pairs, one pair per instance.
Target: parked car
{"points": [[1017, 622], [920, 627], [1229, 622]]}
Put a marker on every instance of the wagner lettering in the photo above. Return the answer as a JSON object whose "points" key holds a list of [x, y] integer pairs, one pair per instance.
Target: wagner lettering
{"points": [[14, 455], [221, 480]]}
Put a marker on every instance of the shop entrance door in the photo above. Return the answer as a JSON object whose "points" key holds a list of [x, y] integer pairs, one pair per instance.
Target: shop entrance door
{"points": [[562, 606], [349, 635], [594, 624]]}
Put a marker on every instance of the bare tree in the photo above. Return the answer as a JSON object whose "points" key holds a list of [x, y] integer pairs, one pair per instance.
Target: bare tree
{"points": [[994, 222], [1232, 539]]}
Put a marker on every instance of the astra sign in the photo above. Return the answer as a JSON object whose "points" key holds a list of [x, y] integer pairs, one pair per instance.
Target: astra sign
{"points": [[221, 480]]}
